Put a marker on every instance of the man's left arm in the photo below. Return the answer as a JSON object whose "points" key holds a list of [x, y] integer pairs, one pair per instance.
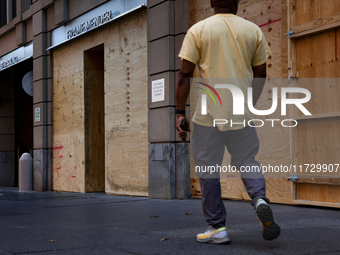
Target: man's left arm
{"points": [[259, 80], [182, 93]]}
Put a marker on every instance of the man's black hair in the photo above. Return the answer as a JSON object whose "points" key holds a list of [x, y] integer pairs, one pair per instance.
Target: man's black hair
{"points": [[225, 3]]}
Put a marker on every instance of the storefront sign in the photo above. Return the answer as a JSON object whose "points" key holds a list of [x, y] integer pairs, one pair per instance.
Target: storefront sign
{"points": [[16, 56], [8, 63], [90, 24], [158, 90], [95, 18]]}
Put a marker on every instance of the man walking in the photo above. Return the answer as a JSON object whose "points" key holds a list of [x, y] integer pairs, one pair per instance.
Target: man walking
{"points": [[225, 46]]}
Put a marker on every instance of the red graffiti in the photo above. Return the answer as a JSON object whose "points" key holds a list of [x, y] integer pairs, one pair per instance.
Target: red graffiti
{"points": [[269, 23]]}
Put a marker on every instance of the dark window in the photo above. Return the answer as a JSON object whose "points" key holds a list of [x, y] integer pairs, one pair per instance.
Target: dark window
{"points": [[3, 13], [26, 5], [1, 98], [14, 9]]}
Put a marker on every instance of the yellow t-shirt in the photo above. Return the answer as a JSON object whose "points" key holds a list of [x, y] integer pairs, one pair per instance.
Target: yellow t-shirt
{"points": [[224, 46]]}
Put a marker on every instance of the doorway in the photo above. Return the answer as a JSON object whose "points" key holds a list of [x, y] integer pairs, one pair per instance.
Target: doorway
{"points": [[94, 119], [16, 121]]}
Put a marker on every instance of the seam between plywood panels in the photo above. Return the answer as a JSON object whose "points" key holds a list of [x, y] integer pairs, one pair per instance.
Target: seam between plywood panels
{"points": [[293, 73]]}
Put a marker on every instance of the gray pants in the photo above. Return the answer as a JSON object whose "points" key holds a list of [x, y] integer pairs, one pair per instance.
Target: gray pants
{"points": [[208, 144]]}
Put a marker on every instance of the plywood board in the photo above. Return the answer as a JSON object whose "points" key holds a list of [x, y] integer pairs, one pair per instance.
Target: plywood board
{"points": [[317, 55], [258, 11], [125, 75], [126, 114], [316, 140], [127, 101], [307, 10], [126, 161], [318, 192], [68, 104], [284, 39], [323, 148], [68, 121], [272, 33], [68, 162], [316, 26], [261, 13]]}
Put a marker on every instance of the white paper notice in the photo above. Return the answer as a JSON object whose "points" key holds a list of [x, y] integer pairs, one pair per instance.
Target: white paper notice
{"points": [[158, 90], [37, 114]]}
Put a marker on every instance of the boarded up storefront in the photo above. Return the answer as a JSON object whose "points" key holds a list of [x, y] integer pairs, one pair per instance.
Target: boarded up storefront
{"points": [[100, 110]]}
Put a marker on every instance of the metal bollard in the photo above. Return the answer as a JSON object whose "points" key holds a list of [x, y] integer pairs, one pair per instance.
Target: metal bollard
{"points": [[25, 173]]}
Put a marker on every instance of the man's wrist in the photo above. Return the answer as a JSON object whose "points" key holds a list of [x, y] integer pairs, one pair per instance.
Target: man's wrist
{"points": [[181, 112]]}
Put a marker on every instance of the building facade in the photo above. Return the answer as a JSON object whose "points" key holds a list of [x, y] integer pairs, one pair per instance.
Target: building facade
{"points": [[74, 91], [88, 88]]}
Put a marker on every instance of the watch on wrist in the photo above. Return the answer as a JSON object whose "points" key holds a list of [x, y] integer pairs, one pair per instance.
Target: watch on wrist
{"points": [[179, 111]]}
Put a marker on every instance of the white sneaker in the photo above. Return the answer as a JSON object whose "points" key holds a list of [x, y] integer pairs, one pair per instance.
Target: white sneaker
{"points": [[270, 229], [212, 235]]}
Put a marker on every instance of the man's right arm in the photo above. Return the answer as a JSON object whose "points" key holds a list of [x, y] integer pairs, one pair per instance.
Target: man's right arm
{"points": [[260, 74], [182, 93]]}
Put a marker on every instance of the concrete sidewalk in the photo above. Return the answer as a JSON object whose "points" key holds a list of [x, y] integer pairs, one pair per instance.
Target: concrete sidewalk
{"points": [[96, 223]]}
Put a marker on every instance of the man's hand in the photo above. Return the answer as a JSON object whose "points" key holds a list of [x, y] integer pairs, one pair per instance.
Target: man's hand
{"points": [[182, 93], [182, 134]]}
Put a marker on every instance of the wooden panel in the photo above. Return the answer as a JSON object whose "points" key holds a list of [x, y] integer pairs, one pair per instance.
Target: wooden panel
{"points": [[68, 162], [272, 33], [68, 91], [125, 84], [233, 188], [261, 12], [324, 101], [292, 72], [323, 180], [199, 10], [258, 11], [316, 26], [284, 39], [68, 120], [127, 100], [318, 116], [126, 124], [323, 148], [317, 55], [126, 160], [318, 192], [313, 62], [308, 202], [94, 121], [307, 10], [315, 141]]}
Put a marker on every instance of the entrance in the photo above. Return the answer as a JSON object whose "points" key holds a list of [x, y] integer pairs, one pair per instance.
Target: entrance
{"points": [[16, 121], [94, 119]]}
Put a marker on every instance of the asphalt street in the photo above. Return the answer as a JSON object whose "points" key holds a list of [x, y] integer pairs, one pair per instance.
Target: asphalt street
{"points": [[97, 223]]}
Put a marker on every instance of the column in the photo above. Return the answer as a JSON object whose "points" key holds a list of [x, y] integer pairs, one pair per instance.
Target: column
{"points": [[42, 106], [169, 159]]}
